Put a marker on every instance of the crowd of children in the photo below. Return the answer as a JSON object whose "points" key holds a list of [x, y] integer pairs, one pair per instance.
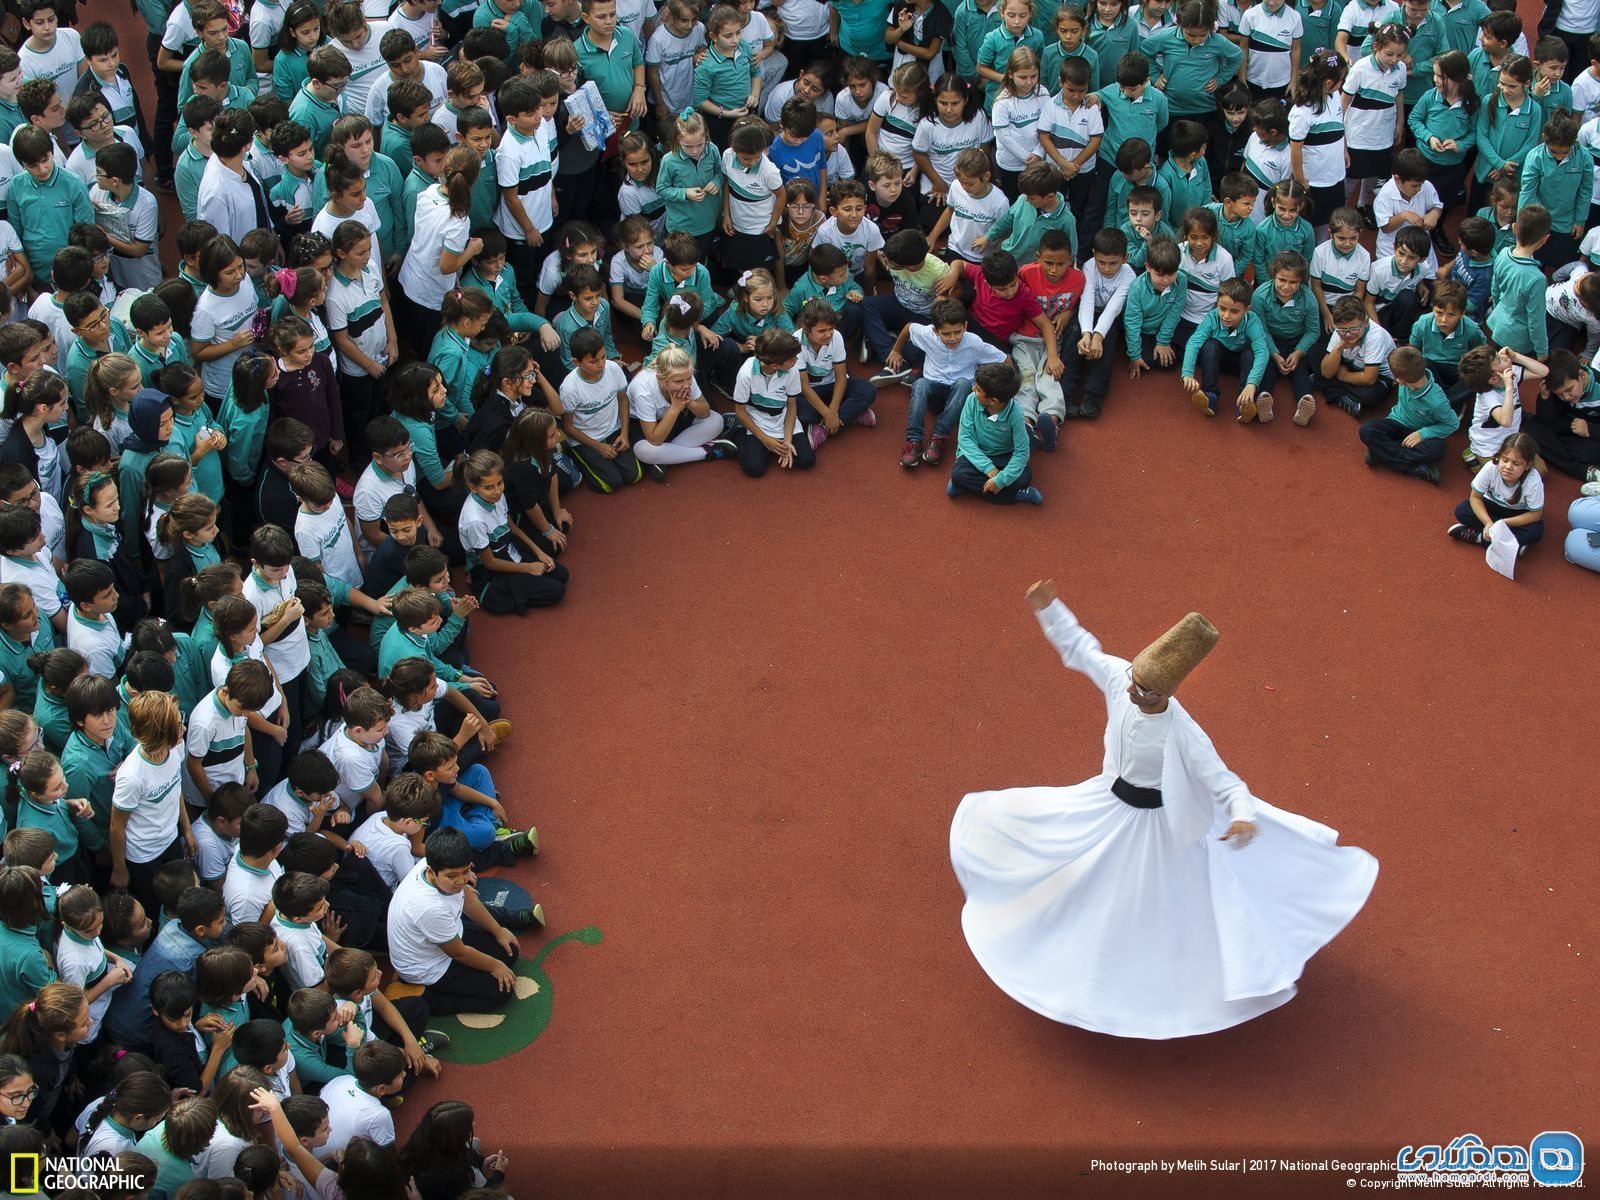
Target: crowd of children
{"points": [[443, 264]]}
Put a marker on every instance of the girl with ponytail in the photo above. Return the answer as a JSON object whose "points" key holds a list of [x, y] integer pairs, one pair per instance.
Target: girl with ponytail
{"points": [[512, 385], [112, 383], [441, 242], [43, 1032]]}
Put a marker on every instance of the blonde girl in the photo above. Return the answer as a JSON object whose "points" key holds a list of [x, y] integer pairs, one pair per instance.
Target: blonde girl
{"points": [[1018, 107], [896, 113], [754, 310], [1508, 491], [689, 180], [638, 196], [149, 822], [1373, 128], [112, 383], [674, 422]]}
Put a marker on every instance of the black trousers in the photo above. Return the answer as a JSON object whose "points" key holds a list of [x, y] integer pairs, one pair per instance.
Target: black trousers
{"points": [[166, 111], [607, 475], [1363, 395], [142, 876], [1386, 438], [461, 989], [1562, 449], [1526, 535], [755, 458], [967, 478], [514, 592], [362, 398], [361, 898], [1095, 373]]}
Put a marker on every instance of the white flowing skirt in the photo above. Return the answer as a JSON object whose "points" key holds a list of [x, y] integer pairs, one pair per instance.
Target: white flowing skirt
{"points": [[1082, 908]]}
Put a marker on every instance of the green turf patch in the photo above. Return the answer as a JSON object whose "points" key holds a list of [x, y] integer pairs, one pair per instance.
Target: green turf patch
{"points": [[481, 1039]]}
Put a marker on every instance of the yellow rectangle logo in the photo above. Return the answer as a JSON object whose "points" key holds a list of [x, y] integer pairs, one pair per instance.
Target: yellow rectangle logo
{"points": [[31, 1188]]}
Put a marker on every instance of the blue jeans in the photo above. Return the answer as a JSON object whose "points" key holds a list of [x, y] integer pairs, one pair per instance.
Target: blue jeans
{"points": [[876, 314], [477, 821], [1584, 517], [944, 398]]}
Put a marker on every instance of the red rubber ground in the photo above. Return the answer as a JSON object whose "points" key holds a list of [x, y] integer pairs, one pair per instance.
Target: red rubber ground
{"points": [[743, 735]]}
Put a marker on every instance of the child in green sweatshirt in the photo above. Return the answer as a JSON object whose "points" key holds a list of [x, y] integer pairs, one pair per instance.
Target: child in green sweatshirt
{"points": [[992, 440], [1230, 336], [1516, 293], [1411, 438]]}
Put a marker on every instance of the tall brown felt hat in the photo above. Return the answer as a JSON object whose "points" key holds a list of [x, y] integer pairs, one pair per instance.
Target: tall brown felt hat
{"points": [[1162, 665]]}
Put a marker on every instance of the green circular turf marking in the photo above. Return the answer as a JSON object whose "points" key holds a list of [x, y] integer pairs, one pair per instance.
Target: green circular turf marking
{"points": [[523, 1020]]}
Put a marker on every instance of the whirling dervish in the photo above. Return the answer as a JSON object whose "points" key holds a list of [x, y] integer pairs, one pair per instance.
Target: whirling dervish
{"points": [[1159, 899]]}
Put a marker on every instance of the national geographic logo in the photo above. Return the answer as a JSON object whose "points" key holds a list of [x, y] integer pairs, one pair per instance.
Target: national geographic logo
{"points": [[48, 1174]]}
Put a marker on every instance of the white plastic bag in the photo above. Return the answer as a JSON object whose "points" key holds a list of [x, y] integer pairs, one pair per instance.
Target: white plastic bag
{"points": [[1502, 552]]}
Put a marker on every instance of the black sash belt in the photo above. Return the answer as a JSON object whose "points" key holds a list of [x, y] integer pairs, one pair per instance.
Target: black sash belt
{"points": [[1135, 797]]}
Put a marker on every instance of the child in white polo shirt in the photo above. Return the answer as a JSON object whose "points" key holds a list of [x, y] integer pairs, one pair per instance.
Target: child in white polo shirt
{"points": [[254, 870], [595, 399], [356, 749], [764, 399], [355, 1101], [92, 589], [218, 737], [302, 900], [270, 588], [308, 794], [320, 529], [410, 803]]}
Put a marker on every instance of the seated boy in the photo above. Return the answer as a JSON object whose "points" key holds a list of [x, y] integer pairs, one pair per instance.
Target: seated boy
{"points": [[386, 565], [355, 1101], [468, 802], [301, 901], [459, 970], [915, 272], [1473, 265], [1411, 438], [1444, 335], [1230, 337], [1396, 287], [950, 356], [992, 441], [1354, 370], [828, 279], [1144, 223], [1096, 327], [1154, 308]]}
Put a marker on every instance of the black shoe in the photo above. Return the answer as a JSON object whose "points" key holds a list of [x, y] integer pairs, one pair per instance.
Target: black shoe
{"points": [[1045, 427], [655, 472], [1426, 471], [1371, 459], [434, 1040], [1090, 410], [1074, 409], [1367, 217], [1345, 404], [1464, 533]]}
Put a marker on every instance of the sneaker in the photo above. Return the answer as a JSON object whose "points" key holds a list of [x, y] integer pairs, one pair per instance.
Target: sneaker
{"points": [[1304, 409], [1046, 428], [1590, 489], [1463, 533], [524, 918], [730, 423], [345, 489], [501, 730], [1263, 407], [1205, 402], [521, 844], [654, 472], [885, 377], [1033, 436], [816, 435], [1090, 410], [1073, 409], [910, 453], [1371, 459], [394, 1100], [1469, 460], [434, 1040], [950, 489], [867, 420], [934, 454], [1426, 471], [1592, 475], [1345, 404], [1522, 549], [1030, 495], [1244, 411], [721, 448], [1367, 216]]}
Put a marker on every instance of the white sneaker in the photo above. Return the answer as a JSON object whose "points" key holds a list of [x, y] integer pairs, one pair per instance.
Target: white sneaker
{"points": [[1592, 475], [1590, 489]]}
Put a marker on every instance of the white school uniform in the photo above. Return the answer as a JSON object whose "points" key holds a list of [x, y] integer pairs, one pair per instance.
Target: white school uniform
{"points": [[1071, 129], [673, 58], [1390, 202], [247, 890], [642, 199], [1339, 273], [1103, 300], [353, 1113], [1525, 496], [150, 794], [83, 961], [1373, 350], [1385, 283], [1205, 277], [218, 319], [1485, 435], [766, 397], [847, 112], [1267, 165], [524, 163], [143, 217], [803, 20], [899, 127], [373, 490], [216, 737], [324, 538], [421, 920], [866, 238], [291, 653], [226, 199], [366, 64], [81, 161], [434, 230], [326, 221], [358, 767], [38, 575], [58, 64], [389, 852], [480, 525], [943, 143], [818, 362], [1270, 36], [751, 191], [1320, 132], [420, 28], [307, 952], [215, 852], [356, 306], [1371, 128], [97, 640], [594, 405], [632, 278], [1561, 302], [377, 110], [773, 101], [406, 724], [1016, 122]]}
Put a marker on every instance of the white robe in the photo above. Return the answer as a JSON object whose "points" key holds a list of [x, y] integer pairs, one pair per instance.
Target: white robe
{"points": [[1140, 922]]}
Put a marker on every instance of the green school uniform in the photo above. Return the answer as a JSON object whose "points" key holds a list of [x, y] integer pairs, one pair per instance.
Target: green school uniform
{"points": [[1151, 312], [485, 193], [516, 28], [207, 473], [460, 365], [677, 174], [1188, 69], [417, 182], [1238, 238], [979, 440], [186, 180], [23, 967], [1185, 189], [88, 768], [42, 215], [1461, 23], [1427, 43], [316, 114], [385, 188], [1020, 227], [1273, 238], [807, 288], [660, 285], [289, 72], [57, 820], [424, 450], [503, 291], [1143, 117], [612, 69], [1297, 324], [396, 147], [1249, 332], [1119, 185], [1505, 135], [1050, 65], [241, 71], [568, 322], [247, 433], [14, 657], [1563, 187], [1448, 348], [1516, 306], [972, 25], [150, 362], [723, 81], [1425, 409], [1431, 117], [1110, 43], [1138, 247]]}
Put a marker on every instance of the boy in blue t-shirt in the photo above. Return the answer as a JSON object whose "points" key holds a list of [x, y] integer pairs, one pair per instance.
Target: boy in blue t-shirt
{"points": [[799, 151]]}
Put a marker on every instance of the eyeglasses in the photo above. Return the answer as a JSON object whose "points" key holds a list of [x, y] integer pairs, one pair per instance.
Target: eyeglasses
{"points": [[21, 1098], [96, 125], [1347, 330], [397, 453], [531, 377], [96, 322], [1141, 692], [337, 85]]}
